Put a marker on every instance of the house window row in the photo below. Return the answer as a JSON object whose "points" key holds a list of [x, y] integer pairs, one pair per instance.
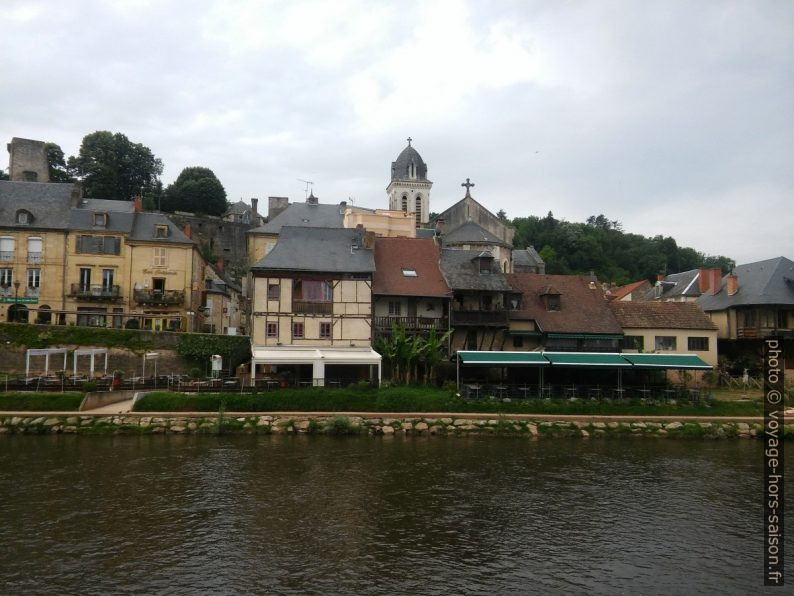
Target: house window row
{"points": [[7, 279], [666, 343], [99, 245], [298, 330]]}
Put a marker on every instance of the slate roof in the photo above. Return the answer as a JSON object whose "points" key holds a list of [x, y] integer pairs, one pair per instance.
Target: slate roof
{"points": [[326, 250], [582, 309], [144, 229], [225, 281], [49, 203], [763, 282], [303, 215], [527, 258], [425, 233], [471, 233], [399, 167], [238, 208], [392, 255], [660, 315], [677, 284], [108, 205], [82, 218], [462, 272]]}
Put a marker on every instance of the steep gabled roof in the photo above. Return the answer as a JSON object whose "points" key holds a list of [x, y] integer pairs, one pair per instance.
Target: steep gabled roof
{"points": [[583, 308], [393, 256], [660, 315], [763, 282], [324, 250], [684, 283], [471, 233], [527, 258], [461, 269], [238, 208], [304, 215]]}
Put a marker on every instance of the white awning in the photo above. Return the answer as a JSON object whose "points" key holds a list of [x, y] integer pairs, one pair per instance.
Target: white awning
{"points": [[290, 355]]}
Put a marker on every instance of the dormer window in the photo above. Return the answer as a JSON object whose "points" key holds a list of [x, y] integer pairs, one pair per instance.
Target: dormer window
{"points": [[161, 231], [551, 299], [24, 217], [409, 272], [101, 219]]}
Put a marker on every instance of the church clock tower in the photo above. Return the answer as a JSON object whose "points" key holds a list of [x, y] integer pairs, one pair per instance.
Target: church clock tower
{"points": [[409, 189]]}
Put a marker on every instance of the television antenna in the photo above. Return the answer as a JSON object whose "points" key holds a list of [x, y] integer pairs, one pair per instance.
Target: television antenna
{"points": [[308, 183]]}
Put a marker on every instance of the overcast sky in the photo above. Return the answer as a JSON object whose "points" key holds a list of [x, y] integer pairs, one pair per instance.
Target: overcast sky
{"points": [[675, 118]]}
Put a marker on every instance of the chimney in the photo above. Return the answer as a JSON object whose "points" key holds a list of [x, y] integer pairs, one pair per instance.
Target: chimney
{"points": [[369, 240], [716, 280], [219, 264], [703, 280], [276, 205], [733, 284], [77, 193], [137, 201], [188, 231], [254, 205], [440, 224]]}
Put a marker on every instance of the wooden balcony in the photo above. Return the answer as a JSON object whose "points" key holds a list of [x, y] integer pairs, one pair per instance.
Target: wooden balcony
{"points": [[759, 332], [162, 297], [480, 318], [306, 307], [94, 293], [411, 323]]}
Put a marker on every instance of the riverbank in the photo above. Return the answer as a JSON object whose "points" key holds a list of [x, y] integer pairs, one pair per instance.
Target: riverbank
{"points": [[385, 424]]}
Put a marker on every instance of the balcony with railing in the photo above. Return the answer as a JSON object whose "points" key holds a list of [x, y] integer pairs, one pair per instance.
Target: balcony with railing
{"points": [[35, 257], [6, 255], [309, 307], [6, 290], [95, 292], [490, 318], [32, 292], [757, 332], [163, 297], [411, 323]]}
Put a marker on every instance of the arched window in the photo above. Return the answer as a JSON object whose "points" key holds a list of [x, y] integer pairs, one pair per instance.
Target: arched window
{"points": [[405, 203], [418, 210]]}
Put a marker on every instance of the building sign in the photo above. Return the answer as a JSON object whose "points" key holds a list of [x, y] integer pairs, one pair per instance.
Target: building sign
{"points": [[20, 300]]}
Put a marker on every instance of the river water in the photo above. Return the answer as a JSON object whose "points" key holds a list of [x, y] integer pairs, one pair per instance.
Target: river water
{"points": [[254, 514]]}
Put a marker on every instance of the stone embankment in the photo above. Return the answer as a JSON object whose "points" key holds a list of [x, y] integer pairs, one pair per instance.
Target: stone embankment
{"points": [[220, 423]]}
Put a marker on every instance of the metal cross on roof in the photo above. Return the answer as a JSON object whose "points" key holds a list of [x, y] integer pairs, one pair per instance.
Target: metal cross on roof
{"points": [[409, 141], [468, 185]]}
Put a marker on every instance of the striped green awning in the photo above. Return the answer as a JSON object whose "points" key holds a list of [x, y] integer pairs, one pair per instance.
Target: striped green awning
{"points": [[586, 359], [676, 361], [502, 359]]}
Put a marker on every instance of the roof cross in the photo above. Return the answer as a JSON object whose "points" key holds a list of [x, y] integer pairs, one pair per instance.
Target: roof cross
{"points": [[409, 141], [468, 185]]}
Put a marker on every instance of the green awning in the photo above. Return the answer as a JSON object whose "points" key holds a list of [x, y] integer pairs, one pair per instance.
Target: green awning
{"points": [[502, 359], [583, 336], [586, 359], [675, 361], [524, 334]]}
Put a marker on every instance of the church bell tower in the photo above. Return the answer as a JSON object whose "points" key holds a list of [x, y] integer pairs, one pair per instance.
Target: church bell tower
{"points": [[409, 188]]}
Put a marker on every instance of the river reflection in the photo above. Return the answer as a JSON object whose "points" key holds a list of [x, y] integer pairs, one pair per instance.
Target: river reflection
{"points": [[186, 514]]}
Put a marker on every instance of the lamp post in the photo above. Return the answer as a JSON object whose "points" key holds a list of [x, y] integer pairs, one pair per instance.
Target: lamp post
{"points": [[16, 301]]}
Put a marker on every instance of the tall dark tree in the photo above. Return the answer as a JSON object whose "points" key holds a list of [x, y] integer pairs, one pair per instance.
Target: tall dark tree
{"points": [[57, 164], [113, 167], [197, 190]]}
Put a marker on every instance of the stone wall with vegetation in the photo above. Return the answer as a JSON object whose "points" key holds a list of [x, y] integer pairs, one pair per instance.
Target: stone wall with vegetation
{"points": [[220, 423]]}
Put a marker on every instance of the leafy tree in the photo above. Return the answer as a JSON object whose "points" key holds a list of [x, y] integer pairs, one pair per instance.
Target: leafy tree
{"points": [[113, 167], [501, 215], [57, 164], [197, 190], [3, 175]]}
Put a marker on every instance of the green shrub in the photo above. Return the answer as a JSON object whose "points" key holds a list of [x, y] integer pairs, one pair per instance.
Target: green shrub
{"points": [[53, 402]]}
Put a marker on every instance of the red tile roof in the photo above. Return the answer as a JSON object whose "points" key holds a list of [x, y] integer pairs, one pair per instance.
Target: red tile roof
{"points": [[582, 309], [660, 315], [623, 291], [392, 255]]}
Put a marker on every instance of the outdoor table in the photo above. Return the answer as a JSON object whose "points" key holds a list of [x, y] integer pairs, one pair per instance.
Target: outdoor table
{"points": [[645, 393], [545, 391], [525, 390], [669, 394], [570, 391], [594, 392], [500, 389], [619, 393]]}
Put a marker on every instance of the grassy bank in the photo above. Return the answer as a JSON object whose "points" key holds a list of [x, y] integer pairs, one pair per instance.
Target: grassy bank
{"points": [[421, 399], [43, 402]]}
